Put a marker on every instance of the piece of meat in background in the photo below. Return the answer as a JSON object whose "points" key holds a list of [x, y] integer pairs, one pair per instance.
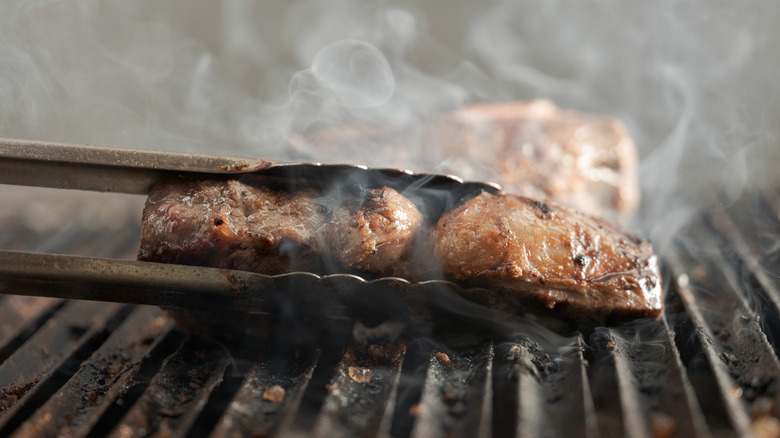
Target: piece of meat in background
{"points": [[532, 148], [585, 161]]}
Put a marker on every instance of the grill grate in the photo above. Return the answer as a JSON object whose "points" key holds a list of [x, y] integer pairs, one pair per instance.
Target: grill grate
{"points": [[251, 412], [709, 367], [101, 379]]}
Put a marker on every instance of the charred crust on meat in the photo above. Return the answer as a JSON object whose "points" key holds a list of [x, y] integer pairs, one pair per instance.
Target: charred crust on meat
{"points": [[378, 194], [543, 208], [582, 260]]}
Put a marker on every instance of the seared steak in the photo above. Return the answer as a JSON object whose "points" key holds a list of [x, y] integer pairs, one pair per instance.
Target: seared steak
{"points": [[532, 253], [229, 224], [549, 255], [374, 234]]}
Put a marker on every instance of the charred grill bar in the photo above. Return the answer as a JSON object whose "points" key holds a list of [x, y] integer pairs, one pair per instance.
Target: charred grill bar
{"points": [[708, 367]]}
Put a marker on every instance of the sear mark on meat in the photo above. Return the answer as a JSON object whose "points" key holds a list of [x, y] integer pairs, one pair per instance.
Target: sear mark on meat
{"points": [[549, 256]]}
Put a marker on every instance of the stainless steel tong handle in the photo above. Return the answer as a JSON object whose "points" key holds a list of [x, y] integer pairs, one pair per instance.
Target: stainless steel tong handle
{"points": [[106, 169], [68, 166], [127, 281]]}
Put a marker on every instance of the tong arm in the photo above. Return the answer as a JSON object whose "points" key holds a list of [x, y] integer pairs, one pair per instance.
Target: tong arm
{"points": [[58, 165]]}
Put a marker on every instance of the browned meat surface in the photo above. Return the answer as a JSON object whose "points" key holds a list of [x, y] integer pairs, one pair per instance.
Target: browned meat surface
{"points": [[549, 255], [228, 224], [538, 150], [374, 234], [533, 254]]}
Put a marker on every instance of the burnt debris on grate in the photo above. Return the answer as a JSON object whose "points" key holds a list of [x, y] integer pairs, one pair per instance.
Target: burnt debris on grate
{"points": [[269, 396], [177, 394], [77, 406], [726, 327], [34, 365], [535, 387], [457, 395], [360, 394]]}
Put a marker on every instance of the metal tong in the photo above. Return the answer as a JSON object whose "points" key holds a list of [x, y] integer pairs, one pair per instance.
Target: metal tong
{"points": [[134, 171]]}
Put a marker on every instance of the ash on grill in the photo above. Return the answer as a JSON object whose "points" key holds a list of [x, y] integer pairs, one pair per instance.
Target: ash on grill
{"points": [[709, 367]]}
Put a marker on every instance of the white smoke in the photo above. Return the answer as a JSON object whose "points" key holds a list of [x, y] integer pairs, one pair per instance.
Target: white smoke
{"points": [[694, 81]]}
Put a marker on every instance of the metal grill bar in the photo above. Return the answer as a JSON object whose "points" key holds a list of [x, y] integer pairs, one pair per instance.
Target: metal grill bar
{"points": [[547, 389], [100, 380], [176, 396], [655, 395], [457, 395], [360, 393], [266, 401], [757, 251], [730, 392], [729, 332], [19, 315], [35, 362]]}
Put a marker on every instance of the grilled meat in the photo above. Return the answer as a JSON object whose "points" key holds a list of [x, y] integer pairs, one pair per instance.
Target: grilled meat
{"points": [[533, 149], [374, 234], [533, 254], [229, 224], [549, 255], [538, 150]]}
